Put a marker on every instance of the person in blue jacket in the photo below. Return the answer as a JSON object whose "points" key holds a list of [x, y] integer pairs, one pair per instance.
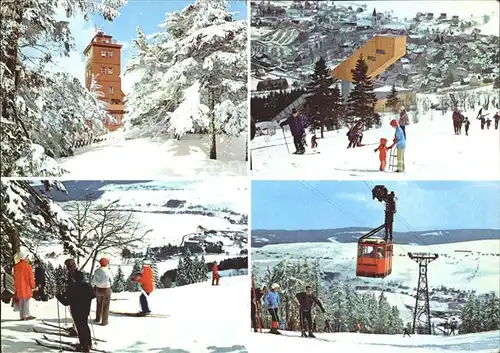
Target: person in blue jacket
{"points": [[400, 142], [272, 300], [297, 125]]}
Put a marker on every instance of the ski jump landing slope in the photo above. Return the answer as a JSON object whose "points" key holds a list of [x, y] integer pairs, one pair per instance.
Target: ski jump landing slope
{"points": [[432, 152], [486, 342], [202, 318]]}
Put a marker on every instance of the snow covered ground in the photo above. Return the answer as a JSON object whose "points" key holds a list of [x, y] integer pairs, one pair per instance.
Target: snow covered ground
{"points": [[202, 318], [141, 158], [486, 342], [432, 152]]}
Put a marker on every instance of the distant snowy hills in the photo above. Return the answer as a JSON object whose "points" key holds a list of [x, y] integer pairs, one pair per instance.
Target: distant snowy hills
{"points": [[348, 235]]}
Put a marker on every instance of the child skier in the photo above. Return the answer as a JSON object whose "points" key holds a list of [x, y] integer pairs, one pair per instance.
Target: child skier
{"points": [[466, 125], [79, 298], [382, 148], [314, 143], [215, 274]]}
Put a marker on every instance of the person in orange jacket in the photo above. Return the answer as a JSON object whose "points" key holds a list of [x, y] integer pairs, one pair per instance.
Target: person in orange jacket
{"points": [[145, 279], [24, 282], [382, 156], [215, 274]]}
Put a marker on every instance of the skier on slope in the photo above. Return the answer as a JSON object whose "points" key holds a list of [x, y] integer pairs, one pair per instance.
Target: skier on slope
{"points": [[79, 298], [215, 274], [255, 305], [70, 282], [497, 119], [24, 282], [353, 135], [406, 332], [306, 301], [297, 125], [466, 126], [272, 300], [102, 280], [145, 279], [403, 119]]}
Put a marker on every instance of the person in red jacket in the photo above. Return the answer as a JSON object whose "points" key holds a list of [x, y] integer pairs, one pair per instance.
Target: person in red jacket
{"points": [[382, 149], [145, 279], [24, 282], [215, 274]]}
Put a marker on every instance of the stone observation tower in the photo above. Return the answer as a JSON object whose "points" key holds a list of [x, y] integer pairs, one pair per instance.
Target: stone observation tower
{"points": [[103, 61]]}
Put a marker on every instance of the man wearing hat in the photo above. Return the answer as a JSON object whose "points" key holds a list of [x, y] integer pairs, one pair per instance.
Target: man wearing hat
{"points": [[297, 124], [306, 302], [102, 280]]}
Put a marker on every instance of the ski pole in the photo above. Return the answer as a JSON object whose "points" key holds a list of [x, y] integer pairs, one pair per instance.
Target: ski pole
{"points": [[286, 143], [93, 332], [59, 324]]}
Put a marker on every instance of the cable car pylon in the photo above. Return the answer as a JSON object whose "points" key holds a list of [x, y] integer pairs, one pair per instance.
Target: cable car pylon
{"points": [[422, 297], [375, 253]]}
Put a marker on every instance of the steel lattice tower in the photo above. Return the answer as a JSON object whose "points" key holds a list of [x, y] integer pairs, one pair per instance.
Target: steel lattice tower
{"points": [[422, 297]]}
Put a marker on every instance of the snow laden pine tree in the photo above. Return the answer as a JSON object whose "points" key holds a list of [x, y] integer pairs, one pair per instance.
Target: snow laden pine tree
{"points": [[203, 273], [119, 283], [60, 279], [320, 104], [50, 283], [361, 102], [24, 77], [393, 99], [181, 278], [193, 75], [133, 286]]}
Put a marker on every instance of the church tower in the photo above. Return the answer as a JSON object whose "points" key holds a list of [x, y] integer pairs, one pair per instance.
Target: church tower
{"points": [[102, 60], [374, 18]]}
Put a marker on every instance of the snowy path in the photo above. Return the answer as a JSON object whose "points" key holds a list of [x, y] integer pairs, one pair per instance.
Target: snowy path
{"points": [[118, 158], [201, 318], [433, 152], [487, 342]]}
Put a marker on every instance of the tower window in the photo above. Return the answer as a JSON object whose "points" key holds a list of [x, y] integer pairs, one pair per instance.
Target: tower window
{"points": [[380, 51], [372, 58], [110, 90], [103, 52], [110, 53], [103, 70], [110, 71]]}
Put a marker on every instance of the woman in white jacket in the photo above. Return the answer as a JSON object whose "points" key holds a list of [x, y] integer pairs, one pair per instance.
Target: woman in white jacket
{"points": [[102, 281]]}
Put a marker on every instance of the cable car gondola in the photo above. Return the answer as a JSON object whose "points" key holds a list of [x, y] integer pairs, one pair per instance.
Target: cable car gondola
{"points": [[375, 253]]}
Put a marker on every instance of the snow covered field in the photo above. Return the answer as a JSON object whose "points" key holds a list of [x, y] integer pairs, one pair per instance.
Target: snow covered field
{"points": [[486, 342], [121, 158], [432, 152], [197, 321]]}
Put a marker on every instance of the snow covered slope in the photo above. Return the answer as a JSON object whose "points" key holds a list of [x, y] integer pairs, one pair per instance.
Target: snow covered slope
{"points": [[486, 342], [433, 152], [118, 158], [202, 318]]}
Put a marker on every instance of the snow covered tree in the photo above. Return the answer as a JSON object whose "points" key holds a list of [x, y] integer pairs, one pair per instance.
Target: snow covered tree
{"points": [[60, 279], [202, 266], [181, 278], [392, 99], [156, 277], [383, 315], [50, 281], [24, 76], [338, 108], [361, 102], [320, 103], [492, 312], [193, 75], [119, 283], [471, 320], [133, 286], [101, 227], [27, 216]]}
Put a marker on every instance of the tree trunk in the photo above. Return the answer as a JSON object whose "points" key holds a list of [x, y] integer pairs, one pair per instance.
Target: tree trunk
{"points": [[246, 151], [322, 130], [213, 141], [94, 259]]}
